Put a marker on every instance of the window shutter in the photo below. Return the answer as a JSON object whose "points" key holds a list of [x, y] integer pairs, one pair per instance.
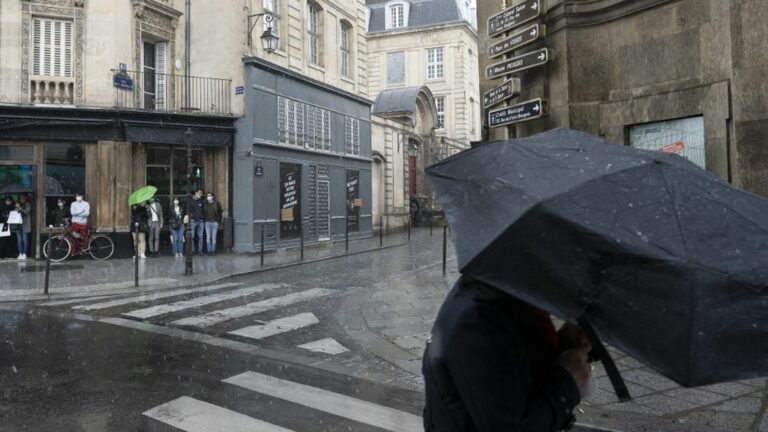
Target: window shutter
{"points": [[37, 55], [47, 47], [356, 137], [67, 49], [52, 47], [300, 124], [326, 130], [281, 120], [161, 66]]}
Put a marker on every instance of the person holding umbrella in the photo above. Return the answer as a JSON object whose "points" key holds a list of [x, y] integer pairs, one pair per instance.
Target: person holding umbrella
{"points": [[140, 216]]}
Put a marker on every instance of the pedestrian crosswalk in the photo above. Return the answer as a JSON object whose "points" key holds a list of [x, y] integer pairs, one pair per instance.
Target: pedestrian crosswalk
{"points": [[250, 313], [193, 415]]}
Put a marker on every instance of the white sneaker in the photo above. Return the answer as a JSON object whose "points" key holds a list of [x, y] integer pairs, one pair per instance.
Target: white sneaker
{"points": [[142, 256], [23, 256], [20, 257]]}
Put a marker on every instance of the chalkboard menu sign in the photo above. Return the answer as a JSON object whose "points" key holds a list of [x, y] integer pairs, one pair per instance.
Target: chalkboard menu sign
{"points": [[353, 200], [290, 200]]}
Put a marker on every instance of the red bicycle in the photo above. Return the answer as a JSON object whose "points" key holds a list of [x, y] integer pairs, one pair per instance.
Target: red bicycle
{"points": [[67, 243]]}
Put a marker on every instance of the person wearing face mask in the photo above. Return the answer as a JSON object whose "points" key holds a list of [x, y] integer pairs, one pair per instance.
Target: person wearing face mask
{"points": [[24, 207], [155, 224], [60, 213], [80, 210], [196, 209], [7, 248], [176, 221], [212, 221]]}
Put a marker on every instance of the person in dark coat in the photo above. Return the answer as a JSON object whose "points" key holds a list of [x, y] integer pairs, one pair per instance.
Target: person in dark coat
{"points": [[495, 363], [196, 212], [139, 228], [61, 213]]}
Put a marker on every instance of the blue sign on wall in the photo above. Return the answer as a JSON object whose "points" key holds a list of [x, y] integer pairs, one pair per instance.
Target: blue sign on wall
{"points": [[239, 90], [122, 81]]}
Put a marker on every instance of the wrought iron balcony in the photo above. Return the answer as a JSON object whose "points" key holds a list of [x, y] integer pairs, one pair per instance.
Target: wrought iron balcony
{"points": [[154, 91]]}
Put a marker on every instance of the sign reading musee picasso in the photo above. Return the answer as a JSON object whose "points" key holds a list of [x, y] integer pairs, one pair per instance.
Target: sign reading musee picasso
{"points": [[507, 89], [513, 17], [521, 112], [517, 64], [518, 40]]}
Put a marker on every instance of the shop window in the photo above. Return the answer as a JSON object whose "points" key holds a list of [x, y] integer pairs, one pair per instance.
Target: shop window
{"points": [[17, 153], [167, 171], [352, 135], [64, 175], [683, 136]]}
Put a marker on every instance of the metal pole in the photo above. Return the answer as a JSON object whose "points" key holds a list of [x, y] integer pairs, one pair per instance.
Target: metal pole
{"points": [[188, 267], [430, 223], [262, 244], [381, 232], [48, 261], [445, 247], [301, 231], [136, 256], [187, 50], [409, 230]]}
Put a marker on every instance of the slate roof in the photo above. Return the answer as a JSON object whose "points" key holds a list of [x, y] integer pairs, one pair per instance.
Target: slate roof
{"points": [[400, 103], [423, 13]]}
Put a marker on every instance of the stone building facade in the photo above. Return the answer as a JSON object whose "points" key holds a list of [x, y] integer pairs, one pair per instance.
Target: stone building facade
{"points": [[685, 76]]}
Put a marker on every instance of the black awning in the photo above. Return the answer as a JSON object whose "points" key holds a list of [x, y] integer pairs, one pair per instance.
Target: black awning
{"points": [[176, 135]]}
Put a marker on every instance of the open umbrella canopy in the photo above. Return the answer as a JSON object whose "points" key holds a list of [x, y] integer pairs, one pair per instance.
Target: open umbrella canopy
{"points": [[142, 194], [669, 262]]}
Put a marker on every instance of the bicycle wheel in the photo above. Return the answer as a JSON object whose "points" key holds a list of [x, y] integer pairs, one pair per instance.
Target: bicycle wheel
{"points": [[101, 247], [59, 248]]}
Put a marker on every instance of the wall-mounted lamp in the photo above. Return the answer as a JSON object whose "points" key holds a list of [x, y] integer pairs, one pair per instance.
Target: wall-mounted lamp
{"points": [[268, 38]]}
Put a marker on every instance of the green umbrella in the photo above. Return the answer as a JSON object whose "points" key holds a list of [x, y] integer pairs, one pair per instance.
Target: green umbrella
{"points": [[142, 194]]}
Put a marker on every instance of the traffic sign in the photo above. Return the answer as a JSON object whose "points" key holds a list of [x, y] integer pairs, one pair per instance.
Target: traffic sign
{"points": [[517, 64], [514, 17], [521, 112], [518, 40], [507, 89]]}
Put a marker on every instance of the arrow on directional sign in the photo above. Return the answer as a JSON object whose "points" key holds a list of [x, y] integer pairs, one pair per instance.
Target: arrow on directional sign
{"points": [[513, 17], [518, 40], [521, 112], [508, 89], [517, 64]]}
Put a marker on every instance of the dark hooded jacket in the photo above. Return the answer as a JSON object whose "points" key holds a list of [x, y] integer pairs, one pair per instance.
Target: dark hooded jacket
{"points": [[490, 367]]}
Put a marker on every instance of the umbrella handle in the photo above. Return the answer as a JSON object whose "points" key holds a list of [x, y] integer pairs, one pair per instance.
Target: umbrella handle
{"points": [[604, 356]]}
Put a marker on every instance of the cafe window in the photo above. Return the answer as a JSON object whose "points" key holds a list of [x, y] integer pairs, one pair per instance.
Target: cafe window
{"points": [[167, 171], [64, 175]]}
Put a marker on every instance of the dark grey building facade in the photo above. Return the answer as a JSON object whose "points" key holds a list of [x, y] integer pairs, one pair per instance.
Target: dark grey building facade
{"points": [[301, 163]]}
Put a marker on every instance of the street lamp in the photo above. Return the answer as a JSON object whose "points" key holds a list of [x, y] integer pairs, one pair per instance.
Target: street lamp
{"points": [[268, 38]]}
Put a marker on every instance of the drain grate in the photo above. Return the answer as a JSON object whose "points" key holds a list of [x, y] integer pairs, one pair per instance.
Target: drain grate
{"points": [[34, 269]]}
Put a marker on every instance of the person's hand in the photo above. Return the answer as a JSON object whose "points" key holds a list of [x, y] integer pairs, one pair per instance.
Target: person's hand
{"points": [[570, 335], [575, 362]]}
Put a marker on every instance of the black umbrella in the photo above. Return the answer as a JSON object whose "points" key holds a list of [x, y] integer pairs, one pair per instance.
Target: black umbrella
{"points": [[668, 262]]}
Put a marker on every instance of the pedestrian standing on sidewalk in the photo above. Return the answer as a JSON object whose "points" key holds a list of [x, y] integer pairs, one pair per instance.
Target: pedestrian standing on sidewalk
{"points": [[7, 246], [60, 213], [23, 207], [155, 225], [176, 223], [196, 211], [213, 215], [80, 210], [139, 216], [496, 363]]}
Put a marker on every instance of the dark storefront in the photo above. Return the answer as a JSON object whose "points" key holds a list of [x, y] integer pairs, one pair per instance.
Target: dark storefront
{"points": [[50, 154]]}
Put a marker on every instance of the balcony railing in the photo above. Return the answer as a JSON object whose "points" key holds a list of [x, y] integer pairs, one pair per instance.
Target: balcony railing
{"points": [[52, 90], [154, 91]]}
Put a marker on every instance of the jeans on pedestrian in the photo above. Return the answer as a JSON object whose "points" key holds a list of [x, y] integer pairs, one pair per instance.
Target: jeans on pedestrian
{"points": [[153, 238], [210, 235], [22, 242], [197, 229], [177, 240]]}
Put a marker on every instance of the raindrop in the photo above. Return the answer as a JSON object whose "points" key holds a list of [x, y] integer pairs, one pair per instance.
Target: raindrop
{"points": [[608, 166], [630, 205], [13, 367], [754, 325]]}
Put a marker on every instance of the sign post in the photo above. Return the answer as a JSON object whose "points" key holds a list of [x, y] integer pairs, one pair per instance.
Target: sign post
{"points": [[517, 64], [507, 90], [518, 113], [518, 40], [513, 17]]}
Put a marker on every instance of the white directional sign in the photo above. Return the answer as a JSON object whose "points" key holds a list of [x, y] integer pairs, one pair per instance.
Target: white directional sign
{"points": [[518, 40], [508, 89], [521, 112], [514, 17], [517, 64]]}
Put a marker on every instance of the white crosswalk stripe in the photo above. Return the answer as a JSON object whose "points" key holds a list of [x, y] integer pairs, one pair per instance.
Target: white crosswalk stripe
{"points": [[278, 326], [192, 415], [152, 297], [77, 300], [325, 346], [333, 403], [163, 309], [223, 315]]}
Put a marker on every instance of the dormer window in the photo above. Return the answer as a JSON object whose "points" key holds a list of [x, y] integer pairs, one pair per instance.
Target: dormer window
{"points": [[396, 15]]}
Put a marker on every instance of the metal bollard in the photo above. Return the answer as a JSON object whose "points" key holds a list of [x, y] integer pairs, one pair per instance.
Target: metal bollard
{"points": [[136, 256], [48, 260], [431, 224], [381, 232], [262, 245], [409, 230], [346, 236], [445, 247]]}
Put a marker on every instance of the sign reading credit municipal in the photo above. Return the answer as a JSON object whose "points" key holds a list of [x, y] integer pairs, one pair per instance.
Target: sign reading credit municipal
{"points": [[518, 40], [507, 89], [521, 112], [517, 64], [513, 17]]}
